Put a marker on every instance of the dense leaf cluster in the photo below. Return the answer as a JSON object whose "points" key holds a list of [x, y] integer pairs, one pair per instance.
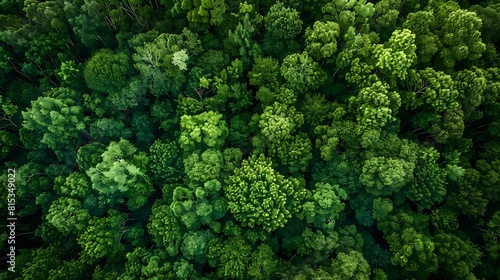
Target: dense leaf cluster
{"points": [[217, 139]]}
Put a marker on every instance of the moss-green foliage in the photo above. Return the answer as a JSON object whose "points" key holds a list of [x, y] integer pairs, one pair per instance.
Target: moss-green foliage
{"points": [[218, 139], [106, 72]]}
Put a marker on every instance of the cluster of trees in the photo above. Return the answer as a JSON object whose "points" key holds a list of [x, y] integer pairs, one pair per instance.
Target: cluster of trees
{"points": [[215, 139]]}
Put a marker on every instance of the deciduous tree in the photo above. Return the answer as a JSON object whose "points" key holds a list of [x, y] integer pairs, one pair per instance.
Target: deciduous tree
{"points": [[259, 196]]}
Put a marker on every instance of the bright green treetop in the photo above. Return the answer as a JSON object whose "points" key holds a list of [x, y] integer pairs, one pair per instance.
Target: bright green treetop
{"points": [[259, 196]]}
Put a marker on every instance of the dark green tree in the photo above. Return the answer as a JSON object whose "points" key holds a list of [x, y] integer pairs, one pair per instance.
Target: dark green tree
{"points": [[107, 72]]}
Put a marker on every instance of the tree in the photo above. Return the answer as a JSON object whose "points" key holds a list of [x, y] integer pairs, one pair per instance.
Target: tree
{"points": [[429, 184], [435, 89], [316, 108], [321, 40], [68, 215], [466, 198], [234, 258], [302, 73], [42, 261], [204, 167], [490, 18], [350, 239], [56, 122], [265, 73], [102, 238], [130, 96], [179, 59], [279, 121], [31, 182], [490, 236], [194, 245], [71, 74], [296, 154], [183, 269], [451, 126], [263, 262], [143, 263], [155, 61], [399, 56], [317, 244], [401, 218], [241, 38], [74, 269], [349, 14], [386, 14], [206, 130], [106, 72], [237, 97], [7, 140], [351, 265], [89, 155], [422, 24], [456, 255], [197, 206], [384, 176], [381, 207], [461, 38], [375, 106], [143, 130], [165, 166], [356, 58], [470, 84], [120, 174], [165, 228], [323, 205], [106, 130], [282, 23], [259, 196], [414, 251], [204, 11]]}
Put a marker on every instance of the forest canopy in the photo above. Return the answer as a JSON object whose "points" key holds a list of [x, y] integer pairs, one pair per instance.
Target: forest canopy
{"points": [[217, 139]]}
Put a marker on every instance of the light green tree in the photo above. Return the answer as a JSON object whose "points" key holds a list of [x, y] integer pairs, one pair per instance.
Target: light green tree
{"points": [[302, 73], [323, 205], [121, 174], [235, 257], [398, 56], [68, 215], [384, 176], [376, 105], [199, 132], [414, 251], [179, 59], [101, 238], [350, 265], [321, 40], [57, 123], [259, 196], [263, 262]]}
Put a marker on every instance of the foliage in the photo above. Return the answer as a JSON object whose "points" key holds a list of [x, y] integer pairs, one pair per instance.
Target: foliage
{"points": [[164, 228], [282, 22], [106, 72], [55, 123], [120, 175], [213, 139], [259, 196], [101, 238]]}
